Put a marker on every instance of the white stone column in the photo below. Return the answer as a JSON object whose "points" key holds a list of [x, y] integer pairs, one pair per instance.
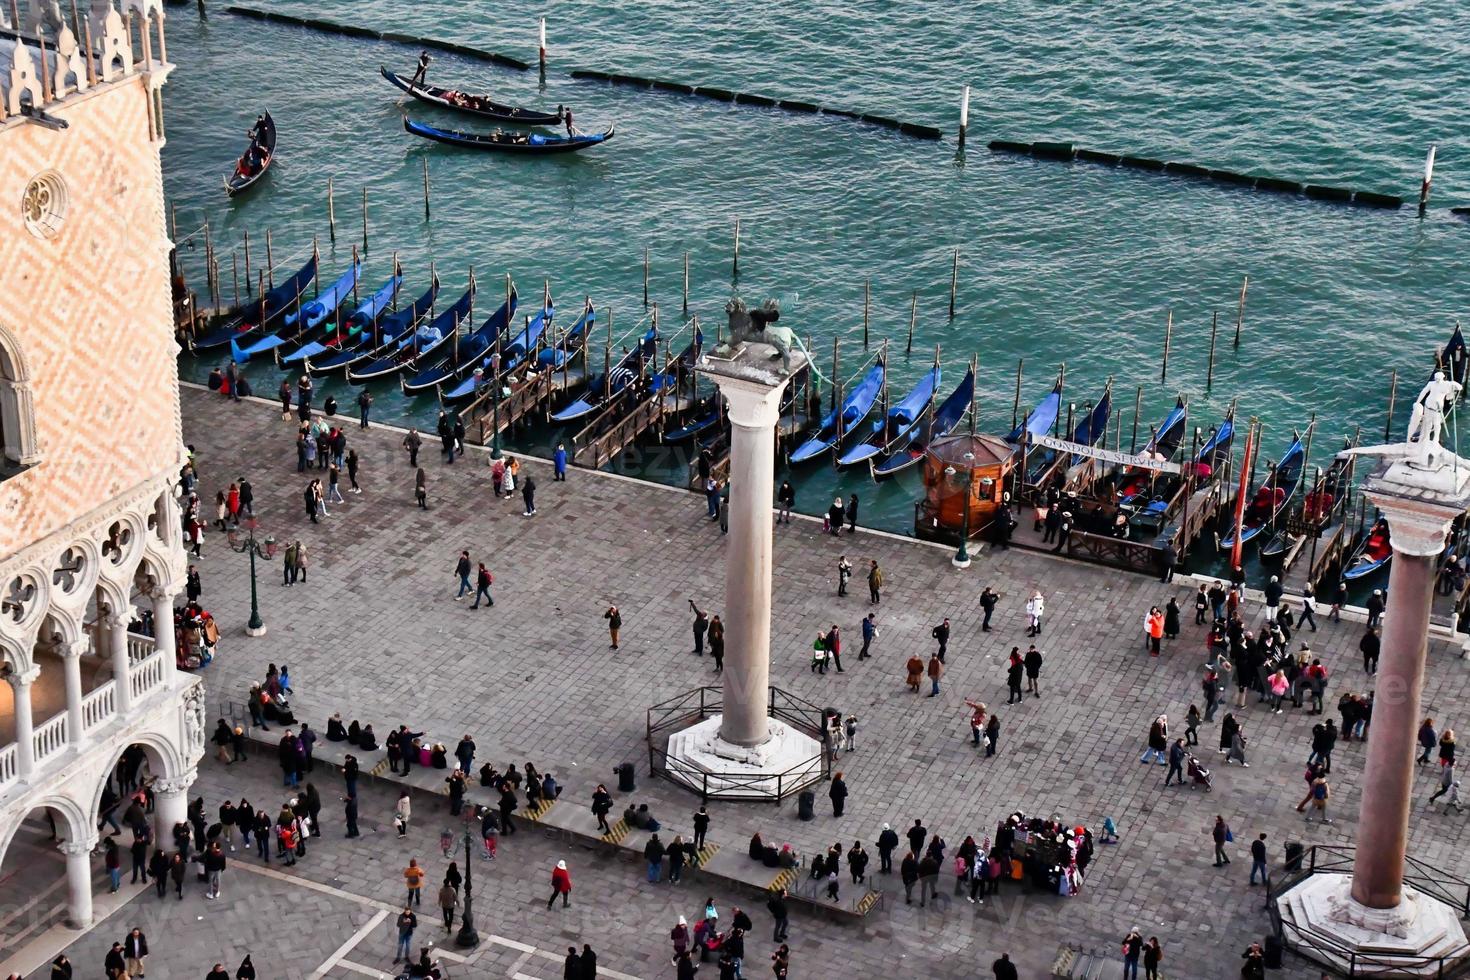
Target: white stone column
{"points": [[117, 642], [25, 752], [71, 661], [163, 621], [170, 804], [79, 881], [754, 409]]}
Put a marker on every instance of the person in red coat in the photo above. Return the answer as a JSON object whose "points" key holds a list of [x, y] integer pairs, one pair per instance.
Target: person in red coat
{"points": [[561, 884]]}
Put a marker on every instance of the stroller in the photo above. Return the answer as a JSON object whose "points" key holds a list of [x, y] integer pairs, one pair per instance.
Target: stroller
{"points": [[1198, 774]]}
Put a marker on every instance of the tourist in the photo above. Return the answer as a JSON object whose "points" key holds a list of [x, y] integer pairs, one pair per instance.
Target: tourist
{"points": [[712, 499], [176, 868], [870, 633], [349, 814], [977, 720], [1191, 725], [402, 811], [988, 598], [528, 496], [676, 855], [1370, 646], [246, 969], [421, 488], [914, 672], [844, 572], [1158, 741], [135, 951], [462, 568], [785, 500], [561, 884], [819, 653], [217, 973], [1255, 963], [214, 866], [1309, 608], [1258, 861], [1375, 606], [1177, 754], [483, 581], [679, 936], [837, 793], [559, 463], [852, 513], [849, 733], [407, 923], [413, 875], [411, 444], [701, 626], [1201, 605], [1015, 667], [875, 583], [1427, 740], [1447, 748], [717, 643], [935, 671], [835, 515], [941, 637], [352, 464], [614, 624], [1153, 954], [334, 490], [908, 873], [1221, 834], [1033, 662], [1446, 781], [1237, 747], [653, 853], [1171, 619], [1132, 950], [1035, 609], [777, 906], [1153, 626], [701, 827], [834, 647], [929, 867], [992, 734], [1004, 969]]}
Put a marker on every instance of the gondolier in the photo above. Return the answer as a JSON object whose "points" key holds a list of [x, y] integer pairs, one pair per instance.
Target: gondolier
{"points": [[422, 69]]}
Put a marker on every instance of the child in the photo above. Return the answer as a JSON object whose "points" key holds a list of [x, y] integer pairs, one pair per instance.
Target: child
{"points": [[850, 731], [285, 679], [832, 885]]}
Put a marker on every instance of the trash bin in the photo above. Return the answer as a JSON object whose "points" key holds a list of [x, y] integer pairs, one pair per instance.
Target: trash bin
{"points": [[806, 805], [626, 781], [1271, 950], [1294, 853]]}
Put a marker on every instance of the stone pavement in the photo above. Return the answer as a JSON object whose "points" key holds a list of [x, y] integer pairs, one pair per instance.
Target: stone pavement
{"points": [[375, 634]]}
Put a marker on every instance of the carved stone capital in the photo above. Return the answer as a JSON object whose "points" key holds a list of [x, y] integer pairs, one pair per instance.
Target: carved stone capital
{"points": [[77, 846], [23, 678], [173, 785], [120, 619]]}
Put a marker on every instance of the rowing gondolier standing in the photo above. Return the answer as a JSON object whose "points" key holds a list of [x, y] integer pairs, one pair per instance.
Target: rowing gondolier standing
{"points": [[422, 69]]}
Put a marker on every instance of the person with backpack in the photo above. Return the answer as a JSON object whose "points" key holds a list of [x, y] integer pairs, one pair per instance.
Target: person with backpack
{"points": [[1321, 793], [483, 582]]}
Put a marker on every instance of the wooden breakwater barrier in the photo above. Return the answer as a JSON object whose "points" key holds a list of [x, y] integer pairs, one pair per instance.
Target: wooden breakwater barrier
{"points": [[348, 30], [759, 101], [1066, 152]]}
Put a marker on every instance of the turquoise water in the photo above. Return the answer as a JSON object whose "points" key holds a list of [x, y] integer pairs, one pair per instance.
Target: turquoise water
{"points": [[1059, 262]]}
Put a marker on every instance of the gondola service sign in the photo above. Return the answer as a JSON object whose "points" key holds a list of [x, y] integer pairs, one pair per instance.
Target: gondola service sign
{"points": [[1107, 455]]}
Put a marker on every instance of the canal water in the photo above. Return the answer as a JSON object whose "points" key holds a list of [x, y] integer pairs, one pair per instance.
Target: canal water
{"points": [[1059, 263]]}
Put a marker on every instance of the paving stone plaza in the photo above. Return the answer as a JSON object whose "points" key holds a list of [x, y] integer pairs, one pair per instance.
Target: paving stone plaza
{"points": [[375, 633]]}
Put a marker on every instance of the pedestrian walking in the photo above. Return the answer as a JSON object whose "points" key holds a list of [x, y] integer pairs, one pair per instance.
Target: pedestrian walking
{"points": [[214, 867], [701, 827], [1446, 781], [413, 876], [1258, 861], [1201, 606], [870, 633], [614, 624], [483, 581], [844, 572], [875, 583], [785, 501], [988, 598], [992, 734], [402, 813], [1221, 835], [1428, 739], [462, 569], [528, 496], [1309, 609], [1158, 741], [1370, 646], [914, 673], [411, 444], [561, 884], [779, 915], [1177, 754], [834, 647], [448, 901], [135, 951], [421, 488], [852, 513], [941, 637]]}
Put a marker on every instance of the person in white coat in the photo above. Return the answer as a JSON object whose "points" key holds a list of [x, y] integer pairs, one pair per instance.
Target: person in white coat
{"points": [[1035, 607]]}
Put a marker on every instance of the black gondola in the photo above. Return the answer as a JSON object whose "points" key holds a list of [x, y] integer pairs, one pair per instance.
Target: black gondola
{"points": [[529, 143], [256, 159], [476, 105]]}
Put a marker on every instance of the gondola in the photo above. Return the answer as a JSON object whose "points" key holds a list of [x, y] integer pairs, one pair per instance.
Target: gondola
{"points": [[1040, 420], [572, 341], [463, 353], [1092, 430], [1375, 551], [256, 159], [842, 420], [299, 324], [379, 337], [1089, 428], [258, 313], [1273, 496], [405, 352], [897, 423], [601, 389], [349, 331], [508, 142], [707, 415], [1148, 518], [1161, 446], [941, 422], [476, 105], [495, 358]]}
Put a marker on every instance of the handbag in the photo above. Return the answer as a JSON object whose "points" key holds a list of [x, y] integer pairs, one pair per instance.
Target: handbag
{"points": [[1229, 836]]}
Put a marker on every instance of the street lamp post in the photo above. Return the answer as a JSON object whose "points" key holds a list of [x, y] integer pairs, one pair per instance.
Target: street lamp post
{"points": [[495, 402], [467, 936], [961, 557], [265, 549]]}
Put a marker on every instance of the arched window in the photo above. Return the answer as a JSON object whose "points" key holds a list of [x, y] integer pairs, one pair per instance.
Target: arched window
{"points": [[17, 413]]}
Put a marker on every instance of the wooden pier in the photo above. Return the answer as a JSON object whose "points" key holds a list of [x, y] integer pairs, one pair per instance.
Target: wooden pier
{"points": [[616, 428]]}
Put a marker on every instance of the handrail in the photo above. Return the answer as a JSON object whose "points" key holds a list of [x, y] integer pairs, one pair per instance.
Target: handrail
{"points": [[49, 739], [9, 763], [99, 706], [147, 674]]}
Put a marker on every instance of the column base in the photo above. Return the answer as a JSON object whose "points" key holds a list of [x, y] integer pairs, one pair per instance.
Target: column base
{"points": [[786, 763], [959, 562], [1323, 922], [255, 630]]}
